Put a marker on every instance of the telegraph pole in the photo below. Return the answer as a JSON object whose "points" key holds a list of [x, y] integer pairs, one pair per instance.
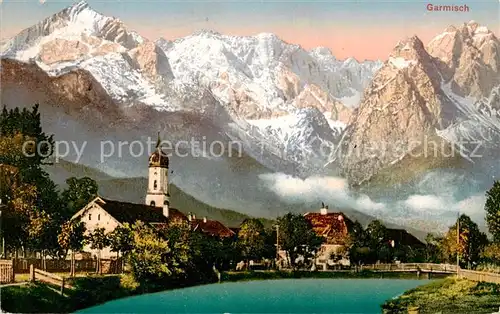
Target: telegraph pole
{"points": [[277, 243], [458, 244]]}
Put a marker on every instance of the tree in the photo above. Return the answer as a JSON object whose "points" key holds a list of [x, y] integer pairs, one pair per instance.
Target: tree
{"points": [[98, 240], [468, 245], [378, 240], [151, 259], [433, 249], [121, 241], [192, 254], [492, 208], [20, 206], [79, 193], [32, 150], [252, 238], [72, 237], [491, 254], [297, 237], [357, 244], [25, 148]]}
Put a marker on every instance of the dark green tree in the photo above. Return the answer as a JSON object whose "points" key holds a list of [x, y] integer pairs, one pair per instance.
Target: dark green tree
{"points": [[78, 194], [121, 240], [72, 237], [98, 240], [468, 244], [252, 238], [28, 149], [297, 237], [378, 239], [151, 259], [492, 208], [433, 249], [358, 245]]}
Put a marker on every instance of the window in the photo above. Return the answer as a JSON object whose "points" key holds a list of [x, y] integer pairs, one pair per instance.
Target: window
{"points": [[165, 202], [155, 185], [152, 203], [99, 217], [90, 216]]}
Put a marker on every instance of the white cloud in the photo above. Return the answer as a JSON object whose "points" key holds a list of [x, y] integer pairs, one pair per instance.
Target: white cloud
{"points": [[426, 202], [333, 190], [439, 203]]}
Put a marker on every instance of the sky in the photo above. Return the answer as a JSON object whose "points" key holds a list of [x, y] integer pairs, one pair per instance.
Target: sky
{"points": [[363, 29]]}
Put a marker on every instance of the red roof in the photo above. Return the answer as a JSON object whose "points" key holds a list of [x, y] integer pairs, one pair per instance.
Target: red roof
{"points": [[333, 226], [211, 227]]}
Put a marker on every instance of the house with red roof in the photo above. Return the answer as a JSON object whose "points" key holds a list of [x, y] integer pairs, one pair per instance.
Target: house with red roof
{"points": [[213, 228], [335, 228]]}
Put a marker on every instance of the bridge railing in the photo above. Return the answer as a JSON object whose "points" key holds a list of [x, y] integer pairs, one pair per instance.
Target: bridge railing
{"points": [[428, 267]]}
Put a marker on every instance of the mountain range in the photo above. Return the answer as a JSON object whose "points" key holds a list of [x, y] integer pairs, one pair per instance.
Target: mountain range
{"points": [[396, 139]]}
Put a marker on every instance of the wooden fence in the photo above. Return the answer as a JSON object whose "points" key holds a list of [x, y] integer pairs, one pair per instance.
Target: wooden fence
{"points": [[6, 271], [109, 266], [479, 276], [40, 275]]}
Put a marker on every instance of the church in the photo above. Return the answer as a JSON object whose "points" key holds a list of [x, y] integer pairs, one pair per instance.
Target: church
{"points": [[109, 214]]}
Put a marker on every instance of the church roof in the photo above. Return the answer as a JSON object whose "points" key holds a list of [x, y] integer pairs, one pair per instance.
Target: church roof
{"points": [[159, 158], [130, 212], [211, 227]]}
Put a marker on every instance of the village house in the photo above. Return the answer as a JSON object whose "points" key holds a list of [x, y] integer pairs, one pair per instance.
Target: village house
{"points": [[335, 228], [109, 214], [209, 227], [401, 237]]}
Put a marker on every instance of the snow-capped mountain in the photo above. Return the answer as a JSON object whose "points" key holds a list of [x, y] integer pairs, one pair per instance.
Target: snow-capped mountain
{"points": [[293, 111], [251, 77], [261, 76], [427, 96]]}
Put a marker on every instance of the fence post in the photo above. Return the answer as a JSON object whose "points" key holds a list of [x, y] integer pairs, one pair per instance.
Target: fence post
{"points": [[32, 273], [62, 286], [13, 270]]}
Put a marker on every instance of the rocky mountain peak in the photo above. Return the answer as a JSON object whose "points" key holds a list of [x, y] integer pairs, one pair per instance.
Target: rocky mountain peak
{"points": [[152, 60], [468, 57], [77, 8], [411, 49]]}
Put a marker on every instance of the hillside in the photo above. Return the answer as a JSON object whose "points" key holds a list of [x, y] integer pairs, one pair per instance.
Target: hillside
{"points": [[133, 190]]}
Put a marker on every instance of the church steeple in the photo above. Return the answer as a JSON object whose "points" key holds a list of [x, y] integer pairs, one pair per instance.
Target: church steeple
{"points": [[157, 194], [158, 141]]}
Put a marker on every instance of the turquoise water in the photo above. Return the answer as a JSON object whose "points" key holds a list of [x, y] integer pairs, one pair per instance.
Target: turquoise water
{"points": [[269, 296]]}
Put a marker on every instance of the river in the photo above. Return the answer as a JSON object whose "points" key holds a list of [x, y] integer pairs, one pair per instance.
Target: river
{"points": [[268, 296]]}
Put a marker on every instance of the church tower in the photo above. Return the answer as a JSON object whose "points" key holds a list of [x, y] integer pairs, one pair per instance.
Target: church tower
{"points": [[157, 194]]}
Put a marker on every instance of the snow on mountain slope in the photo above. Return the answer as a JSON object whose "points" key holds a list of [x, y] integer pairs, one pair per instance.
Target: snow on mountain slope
{"points": [[260, 75], [305, 138], [71, 23], [248, 77]]}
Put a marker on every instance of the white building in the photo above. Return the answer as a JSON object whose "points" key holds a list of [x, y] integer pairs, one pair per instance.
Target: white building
{"points": [[109, 214]]}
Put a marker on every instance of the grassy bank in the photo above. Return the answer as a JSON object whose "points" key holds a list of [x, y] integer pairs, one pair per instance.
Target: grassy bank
{"points": [[42, 298], [86, 292], [94, 290], [448, 295]]}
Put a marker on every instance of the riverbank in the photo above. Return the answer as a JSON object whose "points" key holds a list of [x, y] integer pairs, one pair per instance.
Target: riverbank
{"points": [[365, 274], [447, 296], [94, 290]]}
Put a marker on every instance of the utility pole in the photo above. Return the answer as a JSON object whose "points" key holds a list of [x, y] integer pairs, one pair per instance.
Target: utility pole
{"points": [[458, 245], [277, 243]]}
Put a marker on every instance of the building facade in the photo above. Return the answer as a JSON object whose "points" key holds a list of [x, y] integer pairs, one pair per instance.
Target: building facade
{"points": [[110, 214], [334, 227]]}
